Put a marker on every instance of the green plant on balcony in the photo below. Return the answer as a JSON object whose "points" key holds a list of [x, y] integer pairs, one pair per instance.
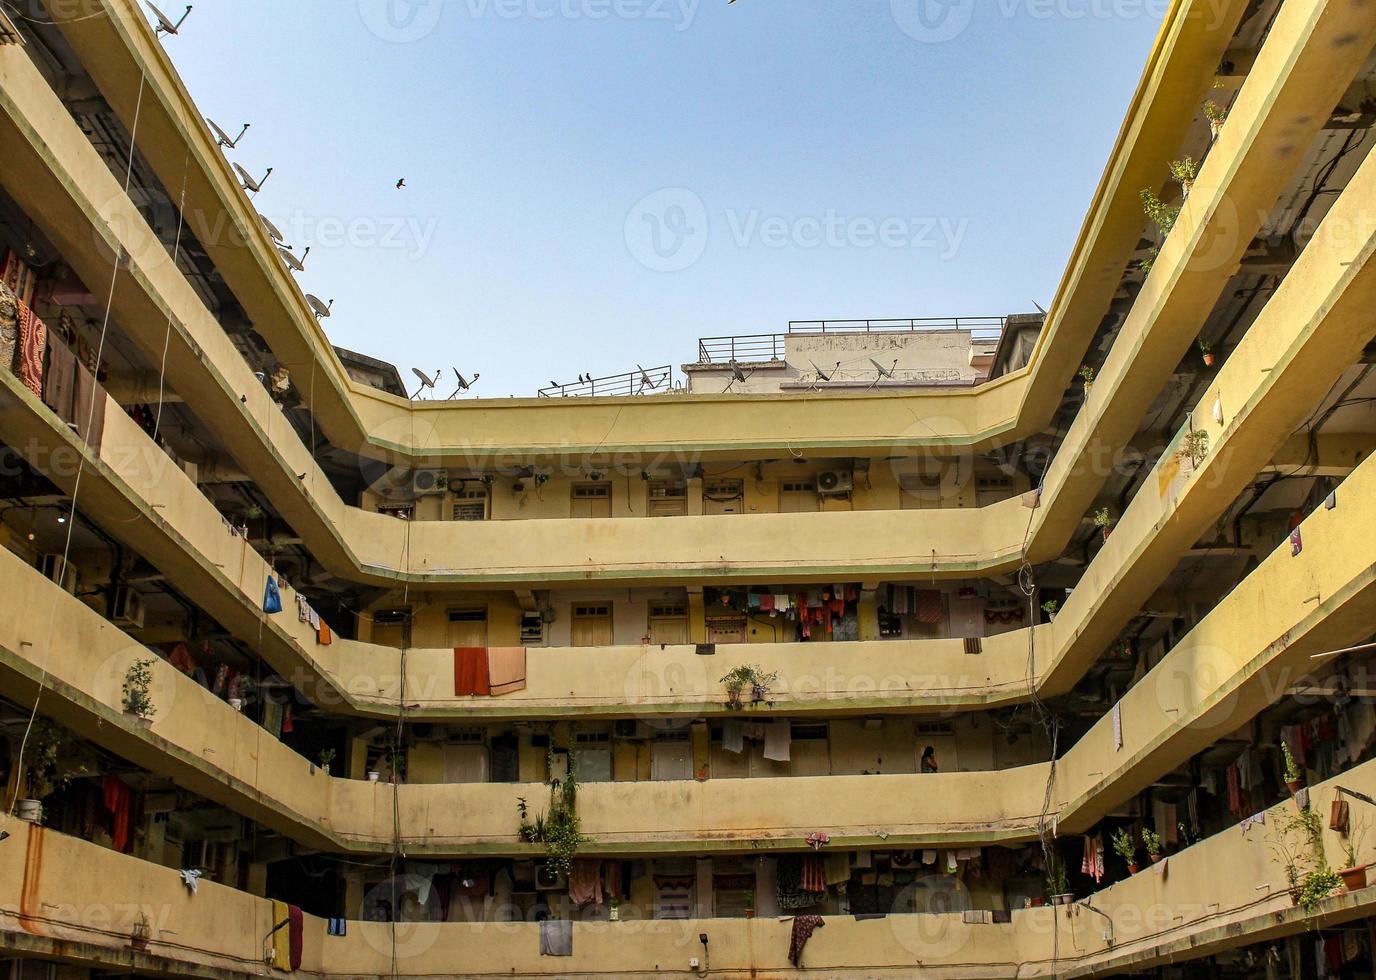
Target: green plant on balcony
{"points": [[761, 683], [1298, 843], [1215, 114], [562, 832], [1146, 264], [1087, 376], [1207, 349], [1103, 520], [1057, 883], [1184, 173], [1151, 840], [1194, 446], [1049, 607], [737, 679], [54, 758], [138, 681], [1159, 213], [1125, 846], [1294, 778], [326, 757]]}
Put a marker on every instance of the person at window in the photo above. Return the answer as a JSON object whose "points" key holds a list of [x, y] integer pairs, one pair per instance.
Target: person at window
{"points": [[929, 759]]}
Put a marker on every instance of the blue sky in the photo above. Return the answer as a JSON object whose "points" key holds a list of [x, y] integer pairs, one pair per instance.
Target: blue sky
{"points": [[596, 183]]}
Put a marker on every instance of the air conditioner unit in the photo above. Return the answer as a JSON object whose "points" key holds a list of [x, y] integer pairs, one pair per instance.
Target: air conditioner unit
{"points": [[128, 608], [429, 481], [835, 481], [52, 565]]}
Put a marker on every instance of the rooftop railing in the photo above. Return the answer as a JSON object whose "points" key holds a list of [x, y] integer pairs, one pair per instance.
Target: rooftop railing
{"points": [[641, 381], [754, 348]]}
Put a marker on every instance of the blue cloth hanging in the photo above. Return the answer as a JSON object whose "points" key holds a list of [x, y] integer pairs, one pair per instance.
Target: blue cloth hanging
{"points": [[272, 597]]}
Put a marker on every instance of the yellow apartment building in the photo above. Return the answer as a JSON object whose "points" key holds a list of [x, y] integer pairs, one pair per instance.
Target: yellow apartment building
{"points": [[1039, 648]]}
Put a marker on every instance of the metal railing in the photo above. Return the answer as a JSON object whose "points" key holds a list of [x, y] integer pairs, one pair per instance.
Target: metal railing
{"points": [[641, 381], [754, 348]]}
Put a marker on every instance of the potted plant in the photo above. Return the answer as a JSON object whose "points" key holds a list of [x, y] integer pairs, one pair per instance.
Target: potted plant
{"points": [[374, 775], [326, 757], [1057, 884], [1294, 779], [1215, 114], [1125, 846], [138, 701], [761, 684], [1184, 173], [1087, 376], [1151, 840], [736, 680], [1103, 519], [750, 906], [1354, 875], [1049, 607], [1207, 349]]}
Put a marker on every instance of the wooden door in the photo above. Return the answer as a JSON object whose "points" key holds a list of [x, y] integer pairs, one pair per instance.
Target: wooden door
{"points": [[668, 624], [591, 500], [468, 627], [723, 496], [592, 625]]}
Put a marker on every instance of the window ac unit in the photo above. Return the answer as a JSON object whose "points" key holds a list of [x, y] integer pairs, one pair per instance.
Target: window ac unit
{"points": [[429, 481], [52, 565], [128, 608], [835, 481]]}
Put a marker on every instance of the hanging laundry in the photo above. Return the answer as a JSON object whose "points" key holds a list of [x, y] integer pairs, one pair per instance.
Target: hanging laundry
{"points": [[323, 636], [272, 596], [791, 887], [1092, 864], [1118, 727], [191, 877], [33, 343], [471, 672], [816, 839], [778, 740], [337, 927], [929, 607], [506, 670], [803, 928], [556, 937], [118, 799], [836, 865], [733, 736], [88, 407], [585, 881], [59, 379]]}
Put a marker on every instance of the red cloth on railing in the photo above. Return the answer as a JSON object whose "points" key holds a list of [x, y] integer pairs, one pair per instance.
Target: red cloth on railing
{"points": [[118, 801], [33, 343], [470, 671]]}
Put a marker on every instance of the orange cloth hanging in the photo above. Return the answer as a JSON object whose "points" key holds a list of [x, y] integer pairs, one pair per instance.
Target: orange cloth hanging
{"points": [[470, 672]]}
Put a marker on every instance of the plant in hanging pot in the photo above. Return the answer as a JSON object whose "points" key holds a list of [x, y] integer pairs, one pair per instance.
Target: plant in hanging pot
{"points": [[1125, 846], [1207, 349], [1151, 840], [138, 699], [1294, 779], [1215, 114], [1104, 520], [1184, 173], [1087, 376]]}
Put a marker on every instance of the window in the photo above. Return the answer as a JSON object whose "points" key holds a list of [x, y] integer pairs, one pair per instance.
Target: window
{"points": [[668, 498], [470, 504]]}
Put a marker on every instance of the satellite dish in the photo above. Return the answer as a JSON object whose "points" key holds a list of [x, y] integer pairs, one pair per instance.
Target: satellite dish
{"points": [[884, 372], [293, 263], [271, 229], [251, 185], [222, 137], [321, 310], [165, 24], [463, 383], [425, 381], [822, 375]]}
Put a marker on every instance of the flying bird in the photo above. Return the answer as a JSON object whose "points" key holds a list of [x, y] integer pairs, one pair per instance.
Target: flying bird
{"points": [[401, 183]]}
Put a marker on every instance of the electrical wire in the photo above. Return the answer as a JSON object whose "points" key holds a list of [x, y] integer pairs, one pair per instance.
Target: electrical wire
{"points": [[119, 254]]}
